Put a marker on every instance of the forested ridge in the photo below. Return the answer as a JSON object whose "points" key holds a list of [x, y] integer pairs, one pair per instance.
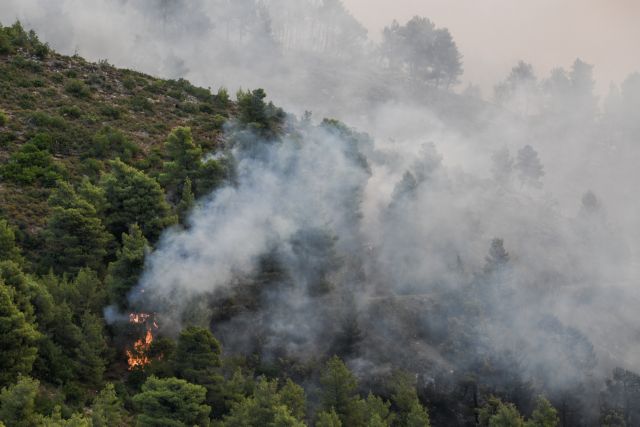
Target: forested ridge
{"points": [[102, 167]]}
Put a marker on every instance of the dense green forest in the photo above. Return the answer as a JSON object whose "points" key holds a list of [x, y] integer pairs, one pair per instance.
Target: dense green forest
{"points": [[98, 163]]}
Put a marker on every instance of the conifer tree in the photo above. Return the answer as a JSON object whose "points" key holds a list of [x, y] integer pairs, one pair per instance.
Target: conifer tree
{"points": [[123, 273], [18, 339]]}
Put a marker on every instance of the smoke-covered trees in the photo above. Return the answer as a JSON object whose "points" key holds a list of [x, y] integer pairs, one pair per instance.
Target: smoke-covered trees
{"points": [[426, 53], [520, 89], [529, 167], [498, 257]]}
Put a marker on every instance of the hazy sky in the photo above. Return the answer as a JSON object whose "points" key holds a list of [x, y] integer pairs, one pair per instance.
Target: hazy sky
{"points": [[494, 34]]}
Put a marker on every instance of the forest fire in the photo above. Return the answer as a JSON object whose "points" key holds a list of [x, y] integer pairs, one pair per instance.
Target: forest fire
{"points": [[137, 357]]}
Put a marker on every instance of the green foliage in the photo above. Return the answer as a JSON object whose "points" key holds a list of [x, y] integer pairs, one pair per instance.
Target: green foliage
{"points": [[187, 163], [255, 114], [32, 165], [57, 420], [14, 37], [133, 197], [90, 355], [496, 413], [4, 118], [77, 88], [339, 391], [107, 409], [186, 159], [293, 396], [405, 398], [110, 142], [123, 273], [264, 408], [377, 412], [141, 103], [75, 236], [18, 338], [328, 419], [417, 416], [171, 402], [187, 201], [197, 359], [9, 251], [71, 111], [17, 403], [544, 414], [86, 294]]}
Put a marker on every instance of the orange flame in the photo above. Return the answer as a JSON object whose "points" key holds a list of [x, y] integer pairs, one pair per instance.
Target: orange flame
{"points": [[137, 356]]}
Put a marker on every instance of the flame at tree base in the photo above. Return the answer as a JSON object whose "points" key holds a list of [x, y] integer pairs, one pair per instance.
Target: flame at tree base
{"points": [[137, 357]]}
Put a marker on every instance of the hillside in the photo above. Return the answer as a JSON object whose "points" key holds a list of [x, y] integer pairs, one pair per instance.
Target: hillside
{"points": [[88, 113], [172, 257]]}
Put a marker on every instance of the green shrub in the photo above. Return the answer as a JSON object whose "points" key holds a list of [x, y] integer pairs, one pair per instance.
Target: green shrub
{"points": [[129, 83], [23, 63], [5, 44], [188, 107], [31, 165], [77, 88], [4, 118], [57, 78], [110, 142], [140, 103], [72, 111], [110, 111], [40, 119]]}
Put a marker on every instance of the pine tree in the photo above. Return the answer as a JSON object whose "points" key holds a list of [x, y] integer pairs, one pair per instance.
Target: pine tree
{"points": [[328, 419], [75, 236], [339, 391], [263, 408], [185, 163], [18, 339], [405, 398], [187, 201], [544, 414], [133, 197], [171, 402], [123, 273], [107, 409], [498, 257], [9, 251], [197, 360], [91, 352], [17, 403], [529, 167]]}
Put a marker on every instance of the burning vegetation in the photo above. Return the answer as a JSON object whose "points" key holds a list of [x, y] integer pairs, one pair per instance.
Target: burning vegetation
{"points": [[137, 356]]}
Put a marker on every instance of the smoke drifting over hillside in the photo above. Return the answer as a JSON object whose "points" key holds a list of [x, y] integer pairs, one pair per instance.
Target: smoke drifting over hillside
{"points": [[463, 238]]}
